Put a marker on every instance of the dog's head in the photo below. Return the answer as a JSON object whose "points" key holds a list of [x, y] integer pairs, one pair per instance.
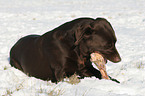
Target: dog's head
{"points": [[98, 37]]}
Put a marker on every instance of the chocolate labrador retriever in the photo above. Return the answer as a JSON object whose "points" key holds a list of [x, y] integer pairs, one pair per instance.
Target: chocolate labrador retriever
{"points": [[66, 50]]}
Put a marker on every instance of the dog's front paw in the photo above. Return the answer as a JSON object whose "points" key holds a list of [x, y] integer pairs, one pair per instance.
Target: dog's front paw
{"points": [[115, 80]]}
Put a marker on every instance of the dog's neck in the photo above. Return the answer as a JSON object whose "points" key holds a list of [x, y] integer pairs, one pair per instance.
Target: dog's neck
{"points": [[82, 53]]}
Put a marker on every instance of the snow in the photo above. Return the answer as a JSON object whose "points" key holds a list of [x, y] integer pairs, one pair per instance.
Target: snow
{"points": [[19, 18]]}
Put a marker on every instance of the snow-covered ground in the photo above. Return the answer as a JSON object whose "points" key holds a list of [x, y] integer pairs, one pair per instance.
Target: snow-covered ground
{"points": [[23, 17]]}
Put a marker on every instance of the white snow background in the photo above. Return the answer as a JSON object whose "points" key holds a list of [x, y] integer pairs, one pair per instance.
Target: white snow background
{"points": [[19, 18]]}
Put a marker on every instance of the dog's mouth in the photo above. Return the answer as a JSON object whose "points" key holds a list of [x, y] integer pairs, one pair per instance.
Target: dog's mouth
{"points": [[97, 55]]}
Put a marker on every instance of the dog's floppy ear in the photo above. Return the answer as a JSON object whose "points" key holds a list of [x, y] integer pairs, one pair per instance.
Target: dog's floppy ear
{"points": [[80, 33]]}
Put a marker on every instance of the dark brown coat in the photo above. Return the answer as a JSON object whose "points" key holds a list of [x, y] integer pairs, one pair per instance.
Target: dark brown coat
{"points": [[65, 50]]}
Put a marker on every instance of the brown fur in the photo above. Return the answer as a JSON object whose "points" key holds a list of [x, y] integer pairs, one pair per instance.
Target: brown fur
{"points": [[65, 50]]}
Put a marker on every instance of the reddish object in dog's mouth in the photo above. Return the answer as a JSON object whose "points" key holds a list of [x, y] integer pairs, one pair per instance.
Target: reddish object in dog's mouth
{"points": [[100, 62], [105, 59]]}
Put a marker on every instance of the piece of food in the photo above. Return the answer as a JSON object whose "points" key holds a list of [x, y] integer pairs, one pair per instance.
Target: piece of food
{"points": [[99, 61]]}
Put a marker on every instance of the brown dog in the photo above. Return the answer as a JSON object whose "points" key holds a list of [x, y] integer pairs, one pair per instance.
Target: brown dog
{"points": [[66, 50]]}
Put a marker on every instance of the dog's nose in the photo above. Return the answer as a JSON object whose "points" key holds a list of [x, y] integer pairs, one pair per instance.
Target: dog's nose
{"points": [[117, 59]]}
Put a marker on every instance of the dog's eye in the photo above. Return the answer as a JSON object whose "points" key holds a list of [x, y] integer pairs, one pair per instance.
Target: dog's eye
{"points": [[88, 31]]}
